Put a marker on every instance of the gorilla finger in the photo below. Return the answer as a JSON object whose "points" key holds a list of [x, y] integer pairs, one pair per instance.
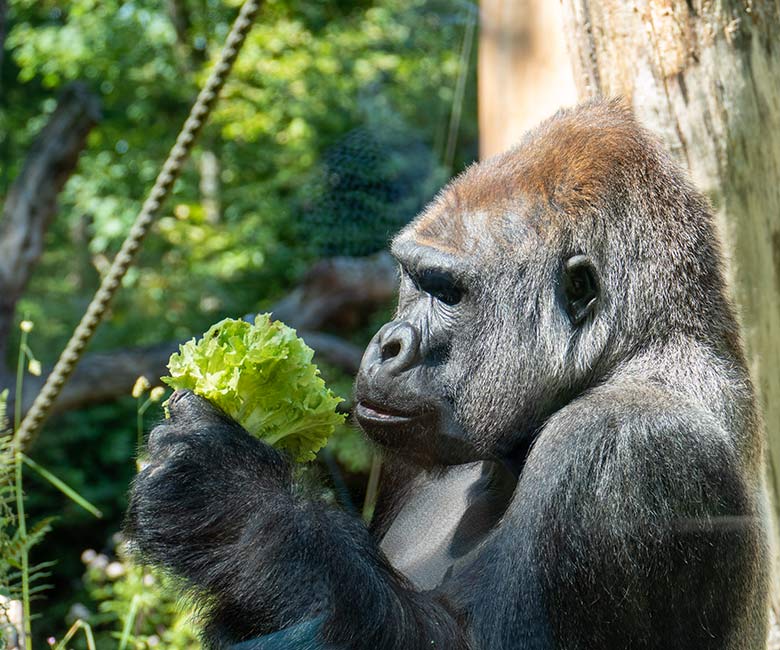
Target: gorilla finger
{"points": [[163, 439], [186, 405]]}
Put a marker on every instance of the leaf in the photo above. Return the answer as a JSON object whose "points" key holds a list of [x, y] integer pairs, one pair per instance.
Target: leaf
{"points": [[262, 376], [62, 487]]}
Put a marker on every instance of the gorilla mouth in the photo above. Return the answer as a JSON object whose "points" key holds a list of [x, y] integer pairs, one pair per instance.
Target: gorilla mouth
{"points": [[372, 413]]}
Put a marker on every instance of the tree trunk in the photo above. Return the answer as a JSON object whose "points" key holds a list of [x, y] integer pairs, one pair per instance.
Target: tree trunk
{"points": [[705, 76], [340, 293], [524, 73]]}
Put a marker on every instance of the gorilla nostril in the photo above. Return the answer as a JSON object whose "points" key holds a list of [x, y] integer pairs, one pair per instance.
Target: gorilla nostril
{"points": [[390, 349], [398, 347]]}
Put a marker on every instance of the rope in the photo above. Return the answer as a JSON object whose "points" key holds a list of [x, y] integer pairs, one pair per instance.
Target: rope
{"points": [[124, 258]]}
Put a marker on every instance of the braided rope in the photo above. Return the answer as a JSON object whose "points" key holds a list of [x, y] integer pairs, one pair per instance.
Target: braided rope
{"points": [[124, 258]]}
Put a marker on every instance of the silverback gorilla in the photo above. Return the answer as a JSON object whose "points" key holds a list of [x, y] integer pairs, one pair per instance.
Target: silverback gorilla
{"points": [[573, 450]]}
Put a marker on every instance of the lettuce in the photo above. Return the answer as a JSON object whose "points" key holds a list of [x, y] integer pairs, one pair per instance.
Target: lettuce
{"points": [[263, 377]]}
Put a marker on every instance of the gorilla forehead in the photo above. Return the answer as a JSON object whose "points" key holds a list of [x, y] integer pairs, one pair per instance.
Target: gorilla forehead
{"points": [[541, 188]]}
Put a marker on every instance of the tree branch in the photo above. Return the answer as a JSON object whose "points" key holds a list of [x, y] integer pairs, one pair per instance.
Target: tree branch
{"points": [[339, 293], [105, 376], [191, 57], [32, 199], [336, 292]]}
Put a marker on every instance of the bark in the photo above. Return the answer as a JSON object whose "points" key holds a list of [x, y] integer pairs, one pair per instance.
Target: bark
{"points": [[180, 19], [102, 377], [31, 202], [705, 75], [334, 350], [524, 73], [208, 167], [190, 57]]}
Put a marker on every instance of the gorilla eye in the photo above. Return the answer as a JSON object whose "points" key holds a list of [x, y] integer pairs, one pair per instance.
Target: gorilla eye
{"points": [[581, 288], [441, 286]]}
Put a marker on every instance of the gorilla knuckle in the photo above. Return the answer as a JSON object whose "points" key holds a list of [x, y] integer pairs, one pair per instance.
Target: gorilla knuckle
{"points": [[161, 439]]}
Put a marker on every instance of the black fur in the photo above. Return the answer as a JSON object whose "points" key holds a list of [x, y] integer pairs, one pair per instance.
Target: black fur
{"points": [[220, 509], [574, 457]]}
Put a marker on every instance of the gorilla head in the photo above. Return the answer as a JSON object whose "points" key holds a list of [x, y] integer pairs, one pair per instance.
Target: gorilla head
{"points": [[528, 280]]}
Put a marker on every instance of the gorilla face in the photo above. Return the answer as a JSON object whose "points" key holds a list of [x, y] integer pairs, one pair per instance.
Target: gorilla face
{"points": [[478, 351], [405, 398]]}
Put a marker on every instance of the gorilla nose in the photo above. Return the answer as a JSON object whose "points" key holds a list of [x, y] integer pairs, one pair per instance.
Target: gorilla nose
{"points": [[399, 347]]}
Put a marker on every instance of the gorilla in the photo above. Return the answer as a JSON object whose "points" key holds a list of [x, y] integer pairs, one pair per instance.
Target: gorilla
{"points": [[573, 451]]}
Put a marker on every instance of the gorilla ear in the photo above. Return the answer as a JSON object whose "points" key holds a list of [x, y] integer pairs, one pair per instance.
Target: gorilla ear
{"points": [[581, 287]]}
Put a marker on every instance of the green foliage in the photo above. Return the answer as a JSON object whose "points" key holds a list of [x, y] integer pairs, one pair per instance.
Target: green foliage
{"points": [[262, 376], [307, 79], [329, 137], [93, 451], [350, 449], [135, 604], [10, 544], [18, 581]]}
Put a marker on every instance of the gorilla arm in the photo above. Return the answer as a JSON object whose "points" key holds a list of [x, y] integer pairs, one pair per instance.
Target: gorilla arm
{"points": [[643, 534], [220, 509]]}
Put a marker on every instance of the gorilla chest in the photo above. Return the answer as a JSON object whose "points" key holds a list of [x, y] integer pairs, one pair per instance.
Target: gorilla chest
{"points": [[445, 518]]}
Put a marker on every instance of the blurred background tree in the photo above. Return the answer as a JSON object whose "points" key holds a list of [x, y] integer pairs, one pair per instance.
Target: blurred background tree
{"points": [[340, 121]]}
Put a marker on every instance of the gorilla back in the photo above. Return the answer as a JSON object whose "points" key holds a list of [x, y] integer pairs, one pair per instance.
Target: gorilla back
{"points": [[574, 456]]}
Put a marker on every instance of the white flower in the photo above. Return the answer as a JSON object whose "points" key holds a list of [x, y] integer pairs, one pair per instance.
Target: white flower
{"points": [[34, 367], [157, 393], [99, 562], [115, 570], [140, 386]]}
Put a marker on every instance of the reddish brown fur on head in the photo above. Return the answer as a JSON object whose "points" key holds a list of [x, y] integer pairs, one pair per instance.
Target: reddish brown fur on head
{"points": [[567, 165], [591, 181]]}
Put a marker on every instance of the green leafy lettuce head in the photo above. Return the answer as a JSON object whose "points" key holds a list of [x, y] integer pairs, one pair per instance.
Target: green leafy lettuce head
{"points": [[263, 377]]}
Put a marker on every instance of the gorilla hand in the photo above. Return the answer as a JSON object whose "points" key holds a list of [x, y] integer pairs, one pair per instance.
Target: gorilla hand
{"points": [[220, 509], [206, 476]]}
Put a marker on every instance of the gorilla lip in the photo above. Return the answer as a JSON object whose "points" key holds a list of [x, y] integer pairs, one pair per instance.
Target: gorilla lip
{"points": [[365, 411]]}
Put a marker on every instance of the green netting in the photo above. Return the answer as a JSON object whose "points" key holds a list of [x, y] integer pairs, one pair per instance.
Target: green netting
{"points": [[368, 186]]}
